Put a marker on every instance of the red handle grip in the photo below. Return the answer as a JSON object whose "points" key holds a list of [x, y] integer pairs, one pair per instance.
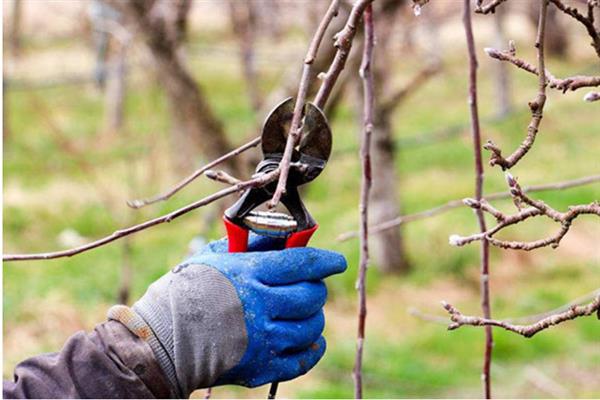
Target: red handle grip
{"points": [[238, 237], [300, 239]]}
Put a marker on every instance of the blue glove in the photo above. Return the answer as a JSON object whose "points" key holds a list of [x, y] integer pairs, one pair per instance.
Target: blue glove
{"points": [[238, 318]]}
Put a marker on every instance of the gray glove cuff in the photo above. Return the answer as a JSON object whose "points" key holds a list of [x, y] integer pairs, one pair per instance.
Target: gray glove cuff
{"points": [[197, 318]]}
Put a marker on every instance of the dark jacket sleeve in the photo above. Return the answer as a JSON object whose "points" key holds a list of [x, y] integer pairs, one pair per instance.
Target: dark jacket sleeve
{"points": [[110, 362]]}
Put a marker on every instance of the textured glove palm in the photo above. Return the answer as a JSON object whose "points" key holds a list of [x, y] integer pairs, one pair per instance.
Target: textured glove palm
{"points": [[240, 318]]}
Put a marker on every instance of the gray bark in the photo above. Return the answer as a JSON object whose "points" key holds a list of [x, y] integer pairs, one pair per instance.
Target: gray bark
{"points": [[386, 247]]}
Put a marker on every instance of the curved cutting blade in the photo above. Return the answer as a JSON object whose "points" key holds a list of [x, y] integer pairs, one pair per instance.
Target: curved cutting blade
{"points": [[316, 135], [276, 127], [315, 143]]}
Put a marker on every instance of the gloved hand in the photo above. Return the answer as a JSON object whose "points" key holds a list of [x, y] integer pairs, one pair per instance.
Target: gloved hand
{"points": [[237, 318]]}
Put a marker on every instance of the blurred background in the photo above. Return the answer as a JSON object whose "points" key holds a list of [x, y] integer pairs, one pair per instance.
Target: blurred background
{"points": [[102, 105]]}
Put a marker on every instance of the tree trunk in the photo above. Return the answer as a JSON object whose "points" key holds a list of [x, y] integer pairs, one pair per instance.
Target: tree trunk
{"points": [[197, 130], [243, 24], [5, 115], [556, 41], [502, 77], [15, 28], [387, 247], [114, 97]]}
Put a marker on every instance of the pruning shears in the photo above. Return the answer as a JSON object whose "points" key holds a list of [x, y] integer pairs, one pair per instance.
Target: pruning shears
{"points": [[308, 161]]}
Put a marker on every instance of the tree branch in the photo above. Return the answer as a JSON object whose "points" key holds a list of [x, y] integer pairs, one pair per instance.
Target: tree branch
{"points": [[528, 331], [199, 172], [488, 8], [570, 83], [344, 37], [221, 176], [365, 156], [537, 208], [453, 204], [343, 43], [417, 6], [296, 124], [587, 22], [536, 106], [438, 319], [485, 251], [255, 182]]}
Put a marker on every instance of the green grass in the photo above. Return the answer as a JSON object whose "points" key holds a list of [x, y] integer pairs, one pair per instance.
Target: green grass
{"points": [[47, 191]]}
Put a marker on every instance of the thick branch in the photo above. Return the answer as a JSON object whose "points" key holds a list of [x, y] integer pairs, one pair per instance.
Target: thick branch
{"points": [[485, 250], [528, 331], [365, 156]]}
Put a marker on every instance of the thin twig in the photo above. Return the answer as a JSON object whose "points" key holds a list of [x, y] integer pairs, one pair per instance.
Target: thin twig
{"points": [[485, 251], [536, 106], [221, 176], [570, 83], [296, 124], [532, 318], [443, 320], [488, 8], [365, 156], [587, 22], [167, 195], [243, 24], [459, 203], [417, 6], [537, 208], [255, 182], [528, 331], [437, 319]]}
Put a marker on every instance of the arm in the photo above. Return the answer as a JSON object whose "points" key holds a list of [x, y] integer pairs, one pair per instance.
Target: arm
{"points": [[218, 318], [109, 362]]}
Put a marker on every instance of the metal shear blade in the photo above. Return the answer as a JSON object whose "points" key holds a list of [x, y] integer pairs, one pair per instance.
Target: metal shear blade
{"points": [[315, 142], [308, 161]]}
